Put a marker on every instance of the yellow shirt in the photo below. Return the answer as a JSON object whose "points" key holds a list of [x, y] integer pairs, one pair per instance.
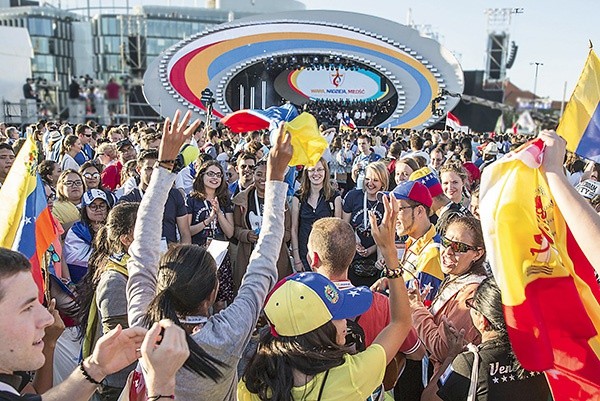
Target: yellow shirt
{"points": [[356, 379]]}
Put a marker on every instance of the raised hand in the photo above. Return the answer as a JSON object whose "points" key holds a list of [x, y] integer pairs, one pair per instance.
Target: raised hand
{"points": [[164, 351], [53, 331], [554, 152], [280, 155], [455, 337], [384, 234], [175, 134], [116, 350]]}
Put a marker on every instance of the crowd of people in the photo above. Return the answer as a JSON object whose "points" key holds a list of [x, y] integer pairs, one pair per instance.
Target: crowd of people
{"points": [[362, 112], [194, 261]]}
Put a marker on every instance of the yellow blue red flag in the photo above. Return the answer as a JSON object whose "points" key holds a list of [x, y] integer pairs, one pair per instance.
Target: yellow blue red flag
{"points": [[550, 296], [580, 124], [26, 224]]}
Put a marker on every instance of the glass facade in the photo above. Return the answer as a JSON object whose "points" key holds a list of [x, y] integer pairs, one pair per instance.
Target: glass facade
{"points": [[50, 31]]}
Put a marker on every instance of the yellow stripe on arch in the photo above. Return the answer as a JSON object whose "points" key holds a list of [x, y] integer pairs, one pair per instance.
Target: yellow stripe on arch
{"points": [[196, 71]]}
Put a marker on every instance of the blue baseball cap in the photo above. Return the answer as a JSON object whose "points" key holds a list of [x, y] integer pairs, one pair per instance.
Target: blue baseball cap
{"points": [[303, 302]]}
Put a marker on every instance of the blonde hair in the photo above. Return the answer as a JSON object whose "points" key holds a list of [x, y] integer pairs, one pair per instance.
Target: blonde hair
{"points": [[380, 169]]}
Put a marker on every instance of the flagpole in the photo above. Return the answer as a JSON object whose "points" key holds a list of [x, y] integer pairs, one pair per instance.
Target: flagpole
{"points": [[564, 98], [46, 273]]}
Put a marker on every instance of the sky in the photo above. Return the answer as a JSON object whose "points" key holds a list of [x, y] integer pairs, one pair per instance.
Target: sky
{"points": [[555, 33]]}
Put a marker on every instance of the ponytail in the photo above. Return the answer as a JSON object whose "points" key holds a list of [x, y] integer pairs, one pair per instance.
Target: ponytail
{"points": [[199, 361]]}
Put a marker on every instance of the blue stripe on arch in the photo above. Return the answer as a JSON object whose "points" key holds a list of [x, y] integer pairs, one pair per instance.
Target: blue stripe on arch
{"points": [[240, 54], [589, 145]]}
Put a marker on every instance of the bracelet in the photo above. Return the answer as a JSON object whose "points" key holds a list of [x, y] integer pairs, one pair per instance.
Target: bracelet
{"points": [[159, 396], [393, 273], [87, 375], [167, 161]]}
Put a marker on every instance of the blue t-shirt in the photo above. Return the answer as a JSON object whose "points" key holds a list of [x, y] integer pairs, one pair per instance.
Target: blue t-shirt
{"points": [[200, 211]]}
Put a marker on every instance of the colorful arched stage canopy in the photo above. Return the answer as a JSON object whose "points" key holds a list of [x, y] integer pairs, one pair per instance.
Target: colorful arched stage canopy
{"points": [[356, 57]]}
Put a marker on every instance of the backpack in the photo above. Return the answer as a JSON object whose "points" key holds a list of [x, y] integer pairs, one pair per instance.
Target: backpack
{"points": [[355, 335]]}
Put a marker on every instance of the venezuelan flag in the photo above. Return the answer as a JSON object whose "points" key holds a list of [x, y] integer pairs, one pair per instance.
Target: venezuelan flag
{"points": [[26, 224], [550, 297], [580, 124]]}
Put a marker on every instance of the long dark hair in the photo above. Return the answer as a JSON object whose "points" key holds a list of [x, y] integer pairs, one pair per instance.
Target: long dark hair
{"points": [[99, 167], [120, 221], [488, 301], [221, 193], [187, 276], [270, 371]]}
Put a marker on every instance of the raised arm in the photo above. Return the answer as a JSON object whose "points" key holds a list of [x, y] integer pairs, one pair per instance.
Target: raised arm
{"points": [[144, 251], [393, 335], [582, 219]]}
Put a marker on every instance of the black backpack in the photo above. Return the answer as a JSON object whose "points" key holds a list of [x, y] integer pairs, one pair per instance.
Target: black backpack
{"points": [[355, 335]]}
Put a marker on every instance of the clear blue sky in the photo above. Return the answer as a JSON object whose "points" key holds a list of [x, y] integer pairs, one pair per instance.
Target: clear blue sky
{"points": [[552, 32]]}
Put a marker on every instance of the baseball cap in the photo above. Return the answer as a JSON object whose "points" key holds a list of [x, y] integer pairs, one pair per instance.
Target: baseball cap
{"points": [[122, 143], [428, 178], [491, 148], [54, 136], [303, 302], [588, 188], [91, 195], [410, 190]]}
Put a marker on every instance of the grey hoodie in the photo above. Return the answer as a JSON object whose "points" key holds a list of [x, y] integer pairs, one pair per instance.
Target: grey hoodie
{"points": [[226, 334]]}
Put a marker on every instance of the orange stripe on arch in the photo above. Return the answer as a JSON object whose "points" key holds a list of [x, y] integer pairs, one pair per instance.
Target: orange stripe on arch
{"points": [[194, 66]]}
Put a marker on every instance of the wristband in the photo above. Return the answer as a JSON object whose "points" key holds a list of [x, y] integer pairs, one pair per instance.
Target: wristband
{"points": [[87, 375], [393, 273], [159, 396]]}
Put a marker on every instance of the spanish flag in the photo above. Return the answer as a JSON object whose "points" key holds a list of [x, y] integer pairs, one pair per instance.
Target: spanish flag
{"points": [[580, 124], [25, 221], [550, 296]]}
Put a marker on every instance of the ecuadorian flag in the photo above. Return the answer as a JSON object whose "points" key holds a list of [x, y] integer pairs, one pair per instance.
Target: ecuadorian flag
{"points": [[580, 124], [550, 297], [25, 220]]}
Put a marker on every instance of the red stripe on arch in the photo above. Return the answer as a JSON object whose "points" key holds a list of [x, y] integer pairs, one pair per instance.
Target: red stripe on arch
{"points": [[177, 78]]}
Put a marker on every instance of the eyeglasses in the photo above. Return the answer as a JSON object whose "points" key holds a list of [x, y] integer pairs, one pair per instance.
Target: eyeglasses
{"points": [[73, 183], [213, 174], [51, 197], [247, 167], [90, 176], [316, 170], [470, 302], [97, 207], [458, 247]]}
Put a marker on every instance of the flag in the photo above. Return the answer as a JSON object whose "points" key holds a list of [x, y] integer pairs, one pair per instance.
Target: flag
{"points": [[453, 122], [26, 224], [256, 119], [347, 124], [580, 124], [499, 129], [550, 297], [307, 141], [526, 123]]}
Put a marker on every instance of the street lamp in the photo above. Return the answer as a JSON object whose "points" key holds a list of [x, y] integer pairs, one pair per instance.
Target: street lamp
{"points": [[537, 66]]}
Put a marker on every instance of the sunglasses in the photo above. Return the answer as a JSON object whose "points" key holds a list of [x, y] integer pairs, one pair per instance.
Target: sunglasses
{"points": [[90, 176], [458, 247], [470, 302]]}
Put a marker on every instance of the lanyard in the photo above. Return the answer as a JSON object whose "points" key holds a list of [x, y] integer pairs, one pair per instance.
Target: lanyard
{"points": [[258, 213]]}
